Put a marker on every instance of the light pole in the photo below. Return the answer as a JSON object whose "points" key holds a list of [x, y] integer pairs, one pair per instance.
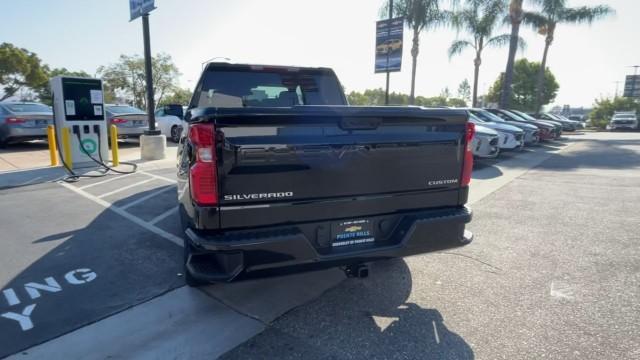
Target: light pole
{"points": [[149, 77], [386, 93], [153, 144]]}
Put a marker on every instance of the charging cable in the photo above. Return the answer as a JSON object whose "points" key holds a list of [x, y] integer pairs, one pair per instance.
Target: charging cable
{"points": [[101, 162], [73, 177]]}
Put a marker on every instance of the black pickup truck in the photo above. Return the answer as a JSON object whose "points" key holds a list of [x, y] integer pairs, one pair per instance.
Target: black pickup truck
{"points": [[277, 174]]}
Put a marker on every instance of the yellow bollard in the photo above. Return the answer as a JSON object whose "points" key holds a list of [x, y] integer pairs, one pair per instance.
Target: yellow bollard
{"points": [[114, 145], [66, 147], [51, 137]]}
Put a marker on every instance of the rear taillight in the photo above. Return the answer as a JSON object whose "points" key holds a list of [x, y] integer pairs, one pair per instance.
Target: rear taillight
{"points": [[203, 172], [13, 120], [118, 120], [467, 166]]}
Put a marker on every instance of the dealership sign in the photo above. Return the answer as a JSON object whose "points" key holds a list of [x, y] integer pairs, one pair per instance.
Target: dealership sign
{"points": [[389, 45], [138, 8], [632, 86]]}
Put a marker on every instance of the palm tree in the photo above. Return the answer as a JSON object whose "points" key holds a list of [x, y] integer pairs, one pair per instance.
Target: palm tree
{"points": [[552, 13], [515, 18], [479, 19], [418, 15]]}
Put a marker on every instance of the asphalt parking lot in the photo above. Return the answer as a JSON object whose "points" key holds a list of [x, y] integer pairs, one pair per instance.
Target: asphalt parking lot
{"points": [[68, 261], [553, 272]]}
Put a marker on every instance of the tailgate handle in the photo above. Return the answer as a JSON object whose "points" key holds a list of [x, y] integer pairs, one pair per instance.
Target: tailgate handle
{"points": [[360, 123]]}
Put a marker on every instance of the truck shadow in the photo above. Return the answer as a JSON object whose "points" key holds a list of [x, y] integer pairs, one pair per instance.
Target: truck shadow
{"points": [[91, 263], [361, 319], [486, 169]]}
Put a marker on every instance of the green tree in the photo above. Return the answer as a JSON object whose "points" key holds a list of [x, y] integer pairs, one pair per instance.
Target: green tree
{"points": [[604, 108], [479, 18], [356, 98], [552, 13], [44, 92], [126, 78], [20, 69], [179, 95], [376, 97], [456, 102], [464, 90], [445, 93], [523, 94], [515, 19], [418, 15]]}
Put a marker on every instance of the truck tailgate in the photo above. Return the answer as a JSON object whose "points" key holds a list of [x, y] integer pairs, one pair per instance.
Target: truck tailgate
{"points": [[398, 158]]}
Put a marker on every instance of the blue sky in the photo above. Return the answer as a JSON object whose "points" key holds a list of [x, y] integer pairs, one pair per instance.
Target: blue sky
{"points": [[84, 34]]}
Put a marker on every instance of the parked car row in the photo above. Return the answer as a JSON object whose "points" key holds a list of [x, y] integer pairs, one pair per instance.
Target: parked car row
{"points": [[497, 129], [503, 130], [24, 121]]}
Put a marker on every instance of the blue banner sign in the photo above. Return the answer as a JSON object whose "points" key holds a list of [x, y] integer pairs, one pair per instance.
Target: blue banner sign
{"points": [[389, 45], [138, 8]]}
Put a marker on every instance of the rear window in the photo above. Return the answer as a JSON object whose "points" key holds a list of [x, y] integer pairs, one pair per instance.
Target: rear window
{"points": [[124, 109], [268, 88], [26, 108]]}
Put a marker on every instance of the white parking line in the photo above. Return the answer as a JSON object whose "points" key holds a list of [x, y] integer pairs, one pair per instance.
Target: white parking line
{"points": [[163, 215], [159, 177], [107, 205], [125, 188], [146, 197], [435, 332], [115, 177]]}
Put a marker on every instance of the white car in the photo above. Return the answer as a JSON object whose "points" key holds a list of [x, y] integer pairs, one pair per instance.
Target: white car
{"points": [[624, 120], [485, 142], [169, 125], [510, 137]]}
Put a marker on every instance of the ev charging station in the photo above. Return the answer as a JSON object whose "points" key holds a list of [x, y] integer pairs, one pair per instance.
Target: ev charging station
{"points": [[78, 106]]}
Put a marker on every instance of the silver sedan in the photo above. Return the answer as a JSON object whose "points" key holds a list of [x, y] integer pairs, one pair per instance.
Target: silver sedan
{"points": [[485, 143], [23, 121]]}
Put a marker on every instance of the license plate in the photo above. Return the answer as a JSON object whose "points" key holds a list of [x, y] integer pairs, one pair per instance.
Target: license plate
{"points": [[352, 232], [138, 122], [41, 122]]}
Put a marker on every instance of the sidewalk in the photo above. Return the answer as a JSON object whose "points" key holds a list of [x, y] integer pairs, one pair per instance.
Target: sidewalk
{"points": [[35, 154]]}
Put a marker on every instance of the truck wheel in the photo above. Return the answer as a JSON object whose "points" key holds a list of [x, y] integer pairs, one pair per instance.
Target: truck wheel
{"points": [[175, 133]]}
